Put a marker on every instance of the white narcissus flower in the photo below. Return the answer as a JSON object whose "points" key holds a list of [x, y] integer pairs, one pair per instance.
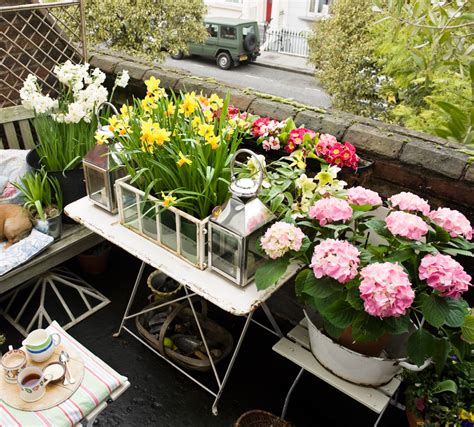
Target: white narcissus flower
{"points": [[122, 79], [75, 113]]}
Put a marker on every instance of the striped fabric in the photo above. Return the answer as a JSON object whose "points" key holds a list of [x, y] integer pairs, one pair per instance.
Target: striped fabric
{"points": [[100, 380]]}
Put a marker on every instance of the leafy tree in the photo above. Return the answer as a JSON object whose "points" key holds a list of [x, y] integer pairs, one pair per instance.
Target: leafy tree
{"points": [[147, 28], [341, 48]]}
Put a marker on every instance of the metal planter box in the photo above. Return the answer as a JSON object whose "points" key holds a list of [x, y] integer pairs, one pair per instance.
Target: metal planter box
{"points": [[171, 228]]}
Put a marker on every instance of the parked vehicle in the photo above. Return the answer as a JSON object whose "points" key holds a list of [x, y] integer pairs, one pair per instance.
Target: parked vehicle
{"points": [[231, 42]]}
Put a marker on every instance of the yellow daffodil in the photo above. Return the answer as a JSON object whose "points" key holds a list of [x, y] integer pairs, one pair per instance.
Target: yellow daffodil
{"points": [[170, 109], [208, 115], [148, 104], [153, 134], [213, 141], [216, 102], [152, 85], [167, 199], [465, 415], [126, 110], [203, 100], [189, 104], [205, 130], [196, 122], [113, 123], [101, 137], [183, 160]]}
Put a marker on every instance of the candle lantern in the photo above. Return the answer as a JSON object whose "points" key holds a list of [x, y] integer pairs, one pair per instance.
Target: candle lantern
{"points": [[235, 229], [102, 169]]}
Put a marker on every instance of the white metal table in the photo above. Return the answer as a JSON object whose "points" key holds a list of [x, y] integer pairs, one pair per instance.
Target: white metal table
{"points": [[206, 284]]}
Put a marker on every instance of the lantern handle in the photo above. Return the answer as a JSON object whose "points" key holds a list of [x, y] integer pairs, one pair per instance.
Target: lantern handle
{"points": [[259, 163], [99, 108]]}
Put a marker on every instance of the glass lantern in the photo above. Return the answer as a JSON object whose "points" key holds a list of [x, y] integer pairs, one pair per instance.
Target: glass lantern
{"points": [[235, 229], [102, 169]]}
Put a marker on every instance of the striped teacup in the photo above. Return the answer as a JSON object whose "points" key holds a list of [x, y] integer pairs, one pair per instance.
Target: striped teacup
{"points": [[40, 344]]}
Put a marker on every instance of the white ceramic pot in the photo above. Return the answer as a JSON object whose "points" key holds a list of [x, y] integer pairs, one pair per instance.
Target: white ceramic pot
{"points": [[355, 367]]}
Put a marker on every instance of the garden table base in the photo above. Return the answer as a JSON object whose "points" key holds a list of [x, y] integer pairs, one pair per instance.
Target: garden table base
{"points": [[204, 283]]}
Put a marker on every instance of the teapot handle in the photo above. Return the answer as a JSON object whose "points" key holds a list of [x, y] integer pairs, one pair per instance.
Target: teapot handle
{"points": [[104, 104], [258, 183]]}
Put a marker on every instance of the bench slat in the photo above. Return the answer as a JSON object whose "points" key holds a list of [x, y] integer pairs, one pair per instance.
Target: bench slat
{"points": [[14, 114], [26, 134], [10, 132]]}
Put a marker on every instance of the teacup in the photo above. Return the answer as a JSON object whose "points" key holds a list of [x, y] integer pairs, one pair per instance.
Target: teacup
{"points": [[32, 382], [13, 362], [40, 344]]}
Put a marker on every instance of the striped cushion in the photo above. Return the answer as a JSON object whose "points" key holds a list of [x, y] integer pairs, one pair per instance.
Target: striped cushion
{"points": [[100, 380]]}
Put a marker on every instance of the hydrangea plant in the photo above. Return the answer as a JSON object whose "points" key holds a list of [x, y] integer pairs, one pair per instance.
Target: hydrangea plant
{"points": [[380, 270]]}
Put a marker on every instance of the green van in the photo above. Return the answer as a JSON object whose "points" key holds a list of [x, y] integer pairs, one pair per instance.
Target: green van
{"points": [[231, 42]]}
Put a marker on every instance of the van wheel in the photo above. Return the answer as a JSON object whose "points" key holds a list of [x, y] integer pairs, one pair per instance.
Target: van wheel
{"points": [[224, 60], [179, 55]]}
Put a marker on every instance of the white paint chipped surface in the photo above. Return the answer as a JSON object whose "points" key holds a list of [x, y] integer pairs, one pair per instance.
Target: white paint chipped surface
{"points": [[207, 284]]}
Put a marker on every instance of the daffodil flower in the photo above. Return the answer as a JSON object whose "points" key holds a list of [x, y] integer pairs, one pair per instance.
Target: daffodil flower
{"points": [[152, 85], [183, 160], [167, 199], [101, 137], [213, 141], [189, 104]]}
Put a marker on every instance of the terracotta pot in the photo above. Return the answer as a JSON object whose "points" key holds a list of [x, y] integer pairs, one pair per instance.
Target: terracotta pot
{"points": [[413, 419], [370, 348]]}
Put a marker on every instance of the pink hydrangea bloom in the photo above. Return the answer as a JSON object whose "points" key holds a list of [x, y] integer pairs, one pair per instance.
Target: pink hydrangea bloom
{"points": [[335, 258], [363, 196], [385, 290], [444, 274], [280, 238], [406, 225], [454, 222], [410, 202], [329, 210]]}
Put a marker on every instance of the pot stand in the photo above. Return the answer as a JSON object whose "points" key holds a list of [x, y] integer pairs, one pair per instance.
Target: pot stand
{"points": [[296, 348], [56, 279]]}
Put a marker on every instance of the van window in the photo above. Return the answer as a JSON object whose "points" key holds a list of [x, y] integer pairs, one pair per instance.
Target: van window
{"points": [[248, 29], [212, 30], [228, 32]]}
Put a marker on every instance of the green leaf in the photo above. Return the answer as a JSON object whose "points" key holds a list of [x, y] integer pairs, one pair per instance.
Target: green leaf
{"points": [[467, 329], [378, 226], [331, 330], [458, 309], [420, 346], [363, 208], [397, 325], [444, 386], [455, 252], [435, 309], [367, 328], [353, 298], [340, 314], [307, 284], [461, 348], [400, 256], [269, 273], [441, 351]]}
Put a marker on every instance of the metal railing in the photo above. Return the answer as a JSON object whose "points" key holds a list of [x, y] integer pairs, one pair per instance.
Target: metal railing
{"points": [[291, 42], [34, 38]]}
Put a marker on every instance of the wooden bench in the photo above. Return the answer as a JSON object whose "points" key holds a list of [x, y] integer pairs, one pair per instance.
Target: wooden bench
{"points": [[16, 133]]}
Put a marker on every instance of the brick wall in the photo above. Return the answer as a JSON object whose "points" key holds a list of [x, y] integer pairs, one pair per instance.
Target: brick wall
{"points": [[403, 159]]}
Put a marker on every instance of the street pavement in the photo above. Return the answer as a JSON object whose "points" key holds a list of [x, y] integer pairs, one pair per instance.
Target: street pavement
{"points": [[287, 84]]}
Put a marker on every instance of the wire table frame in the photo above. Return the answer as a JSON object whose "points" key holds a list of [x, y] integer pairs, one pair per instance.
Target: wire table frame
{"points": [[204, 283]]}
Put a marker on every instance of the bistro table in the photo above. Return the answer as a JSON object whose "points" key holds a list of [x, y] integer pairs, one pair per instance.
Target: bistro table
{"points": [[204, 283]]}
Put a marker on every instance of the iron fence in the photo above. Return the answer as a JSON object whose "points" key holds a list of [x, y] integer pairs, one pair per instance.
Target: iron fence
{"points": [[34, 39], [291, 42]]}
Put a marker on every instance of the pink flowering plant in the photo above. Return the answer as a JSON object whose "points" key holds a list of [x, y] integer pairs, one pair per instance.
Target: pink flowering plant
{"points": [[380, 269]]}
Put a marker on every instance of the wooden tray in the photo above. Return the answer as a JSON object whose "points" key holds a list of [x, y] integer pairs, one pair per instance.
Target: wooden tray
{"points": [[55, 393]]}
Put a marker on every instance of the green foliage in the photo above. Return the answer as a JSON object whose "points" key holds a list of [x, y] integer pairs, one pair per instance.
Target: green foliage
{"points": [[42, 194], [341, 49], [146, 28]]}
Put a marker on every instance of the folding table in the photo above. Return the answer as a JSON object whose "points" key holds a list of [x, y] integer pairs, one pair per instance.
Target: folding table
{"points": [[206, 284]]}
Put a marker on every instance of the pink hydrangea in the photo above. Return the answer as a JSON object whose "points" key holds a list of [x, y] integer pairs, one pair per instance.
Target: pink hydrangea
{"points": [[329, 210], [385, 289], [444, 274], [280, 238], [335, 258], [363, 196], [454, 222], [410, 202], [406, 225]]}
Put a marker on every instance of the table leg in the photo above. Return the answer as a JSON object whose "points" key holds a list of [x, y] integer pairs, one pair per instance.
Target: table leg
{"points": [[271, 319], [132, 297], [287, 399], [232, 361]]}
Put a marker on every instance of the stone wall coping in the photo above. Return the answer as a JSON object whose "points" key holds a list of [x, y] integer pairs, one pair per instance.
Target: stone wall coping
{"points": [[372, 138]]}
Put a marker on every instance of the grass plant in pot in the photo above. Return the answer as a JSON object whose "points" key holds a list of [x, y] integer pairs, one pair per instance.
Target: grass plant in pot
{"points": [[43, 200], [376, 271], [177, 151], [65, 126]]}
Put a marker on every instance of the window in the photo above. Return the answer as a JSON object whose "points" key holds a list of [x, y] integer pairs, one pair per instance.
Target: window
{"points": [[228, 32], [248, 29], [212, 30], [312, 6]]}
